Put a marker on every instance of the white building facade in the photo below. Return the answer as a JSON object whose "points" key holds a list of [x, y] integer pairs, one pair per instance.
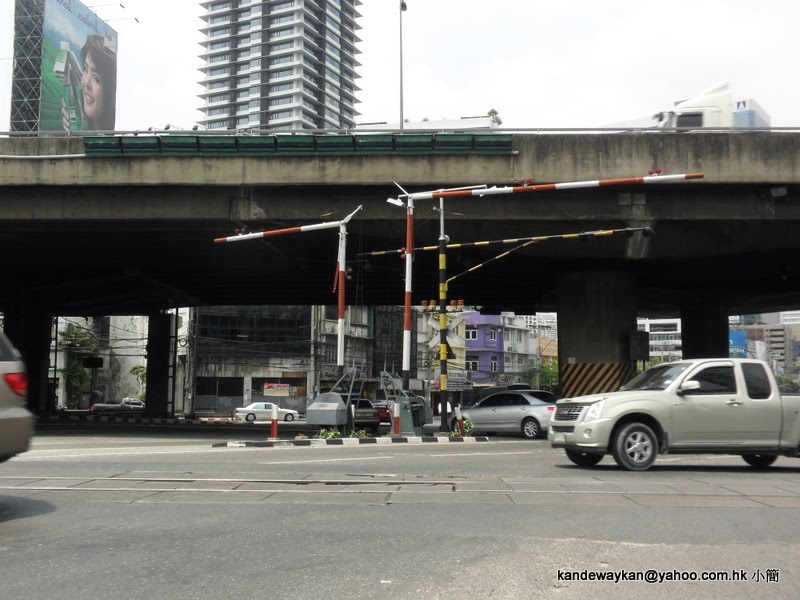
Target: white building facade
{"points": [[279, 64]]}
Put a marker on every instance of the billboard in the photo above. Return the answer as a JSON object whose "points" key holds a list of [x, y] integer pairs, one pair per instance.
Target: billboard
{"points": [[737, 344], [79, 69]]}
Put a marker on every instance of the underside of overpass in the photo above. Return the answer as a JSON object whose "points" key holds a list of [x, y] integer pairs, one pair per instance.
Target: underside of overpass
{"points": [[737, 247]]}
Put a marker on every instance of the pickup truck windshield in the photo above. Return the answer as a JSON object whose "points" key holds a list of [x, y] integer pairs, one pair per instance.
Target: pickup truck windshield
{"points": [[657, 378]]}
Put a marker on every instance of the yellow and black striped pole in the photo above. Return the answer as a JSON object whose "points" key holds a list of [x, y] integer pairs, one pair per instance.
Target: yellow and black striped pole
{"points": [[527, 240], [443, 426]]}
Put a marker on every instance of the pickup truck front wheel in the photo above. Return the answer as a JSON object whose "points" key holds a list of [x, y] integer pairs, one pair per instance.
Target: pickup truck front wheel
{"points": [[759, 461], [635, 447], [583, 459]]}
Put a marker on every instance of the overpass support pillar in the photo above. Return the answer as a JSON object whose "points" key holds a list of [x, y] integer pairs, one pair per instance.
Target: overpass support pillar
{"points": [[704, 331], [29, 329], [158, 365], [596, 316]]}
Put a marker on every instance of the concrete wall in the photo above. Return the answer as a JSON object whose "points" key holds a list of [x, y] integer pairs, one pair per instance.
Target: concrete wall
{"points": [[734, 157]]}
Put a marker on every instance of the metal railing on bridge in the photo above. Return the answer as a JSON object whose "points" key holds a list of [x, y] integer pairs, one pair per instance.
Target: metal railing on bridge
{"points": [[185, 144]]}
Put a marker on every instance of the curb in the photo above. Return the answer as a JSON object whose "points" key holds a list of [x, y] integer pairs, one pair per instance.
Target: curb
{"points": [[380, 441], [131, 419]]}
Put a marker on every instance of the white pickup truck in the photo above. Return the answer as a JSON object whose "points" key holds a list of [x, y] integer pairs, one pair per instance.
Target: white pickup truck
{"points": [[720, 406]]}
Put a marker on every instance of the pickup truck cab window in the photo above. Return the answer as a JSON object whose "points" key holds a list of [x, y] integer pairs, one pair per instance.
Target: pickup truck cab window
{"points": [[756, 380], [716, 380]]}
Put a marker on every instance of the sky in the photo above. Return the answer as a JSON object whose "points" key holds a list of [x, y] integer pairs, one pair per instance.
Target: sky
{"points": [[540, 64]]}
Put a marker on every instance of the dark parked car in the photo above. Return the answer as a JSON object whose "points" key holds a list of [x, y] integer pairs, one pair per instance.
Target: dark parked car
{"points": [[511, 411], [367, 416]]}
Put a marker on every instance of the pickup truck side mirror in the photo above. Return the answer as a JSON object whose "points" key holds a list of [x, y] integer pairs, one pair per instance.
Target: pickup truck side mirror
{"points": [[688, 386]]}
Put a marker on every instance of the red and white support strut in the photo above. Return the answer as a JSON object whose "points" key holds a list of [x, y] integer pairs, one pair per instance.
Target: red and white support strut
{"points": [[396, 418], [460, 420], [409, 256], [339, 285], [544, 187], [273, 431]]}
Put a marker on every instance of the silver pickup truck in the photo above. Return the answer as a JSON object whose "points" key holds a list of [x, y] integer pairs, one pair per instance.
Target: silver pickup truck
{"points": [[720, 406]]}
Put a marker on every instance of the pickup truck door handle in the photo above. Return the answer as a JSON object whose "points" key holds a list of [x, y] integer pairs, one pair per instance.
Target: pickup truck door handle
{"points": [[734, 402]]}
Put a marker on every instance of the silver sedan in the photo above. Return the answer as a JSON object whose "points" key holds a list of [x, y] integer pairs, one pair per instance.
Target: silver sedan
{"points": [[509, 412], [262, 411]]}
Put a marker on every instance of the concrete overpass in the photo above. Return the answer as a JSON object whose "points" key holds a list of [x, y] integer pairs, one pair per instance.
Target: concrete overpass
{"points": [[125, 226]]}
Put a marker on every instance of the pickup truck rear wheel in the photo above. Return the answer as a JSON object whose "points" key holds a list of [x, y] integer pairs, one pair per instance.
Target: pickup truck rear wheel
{"points": [[583, 459], [759, 461], [635, 447]]}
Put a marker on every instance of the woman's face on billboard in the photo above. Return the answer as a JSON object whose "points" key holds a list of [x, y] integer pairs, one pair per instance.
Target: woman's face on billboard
{"points": [[92, 89]]}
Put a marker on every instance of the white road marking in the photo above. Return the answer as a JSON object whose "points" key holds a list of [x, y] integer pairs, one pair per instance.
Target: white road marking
{"points": [[33, 455], [325, 460]]}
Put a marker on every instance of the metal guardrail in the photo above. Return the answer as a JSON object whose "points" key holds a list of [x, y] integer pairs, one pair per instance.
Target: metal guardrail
{"points": [[192, 144]]}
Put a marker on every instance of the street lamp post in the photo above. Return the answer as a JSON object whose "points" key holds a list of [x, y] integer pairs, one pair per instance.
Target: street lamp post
{"points": [[403, 8]]}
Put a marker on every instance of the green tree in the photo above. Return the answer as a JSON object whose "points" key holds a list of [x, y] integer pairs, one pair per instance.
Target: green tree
{"points": [[140, 372], [495, 117], [77, 342], [544, 377], [787, 385]]}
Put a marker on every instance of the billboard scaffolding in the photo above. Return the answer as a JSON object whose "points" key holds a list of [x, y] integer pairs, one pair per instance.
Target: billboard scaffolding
{"points": [[27, 72]]}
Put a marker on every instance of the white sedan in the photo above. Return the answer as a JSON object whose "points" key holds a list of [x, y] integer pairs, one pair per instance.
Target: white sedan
{"points": [[262, 411]]}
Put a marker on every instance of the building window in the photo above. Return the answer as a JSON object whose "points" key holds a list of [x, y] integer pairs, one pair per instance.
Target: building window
{"points": [[281, 87], [282, 114], [471, 333], [282, 5], [281, 33], [279, 101], [493, 363], [471, 364], [493, 335]]}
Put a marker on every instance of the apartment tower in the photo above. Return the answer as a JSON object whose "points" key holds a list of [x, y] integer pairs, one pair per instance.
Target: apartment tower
{"points": [[279, 64]]}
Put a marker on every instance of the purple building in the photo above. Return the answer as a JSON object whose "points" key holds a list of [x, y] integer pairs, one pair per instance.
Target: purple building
{"points": [[496, 348]]}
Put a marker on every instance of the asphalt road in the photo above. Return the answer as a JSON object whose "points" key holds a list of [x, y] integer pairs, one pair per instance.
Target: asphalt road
{"points": [[157, 512]]}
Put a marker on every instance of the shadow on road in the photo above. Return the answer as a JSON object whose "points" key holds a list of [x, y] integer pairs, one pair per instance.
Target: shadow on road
{"points": [[12, 507]]}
